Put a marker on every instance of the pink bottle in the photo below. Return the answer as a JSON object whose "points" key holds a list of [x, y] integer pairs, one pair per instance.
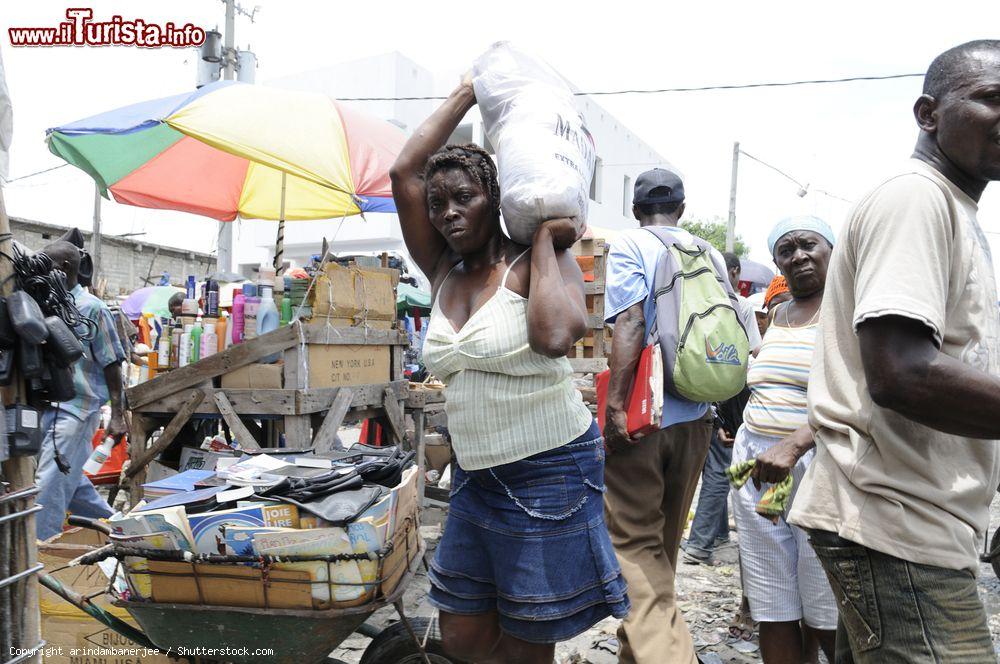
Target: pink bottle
{"points": [[237, 322]]}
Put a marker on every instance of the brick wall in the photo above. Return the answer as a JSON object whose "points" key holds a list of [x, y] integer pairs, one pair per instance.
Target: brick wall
{"points": [[125, 262]]}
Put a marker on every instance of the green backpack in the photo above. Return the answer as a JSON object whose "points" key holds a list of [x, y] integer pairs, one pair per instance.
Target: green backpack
{"points": [[697, 322]]}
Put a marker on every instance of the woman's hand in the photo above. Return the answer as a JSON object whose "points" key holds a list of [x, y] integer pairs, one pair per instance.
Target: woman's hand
{"points": [[562, 232], [776, 463], [467, 82]]}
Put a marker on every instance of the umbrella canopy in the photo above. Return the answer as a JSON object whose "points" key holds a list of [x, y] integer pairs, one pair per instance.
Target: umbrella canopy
{"points": [[411, 297], [222, 151], [149, 300], [757, 274]]}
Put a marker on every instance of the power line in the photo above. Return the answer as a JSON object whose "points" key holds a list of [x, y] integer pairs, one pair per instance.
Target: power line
{"points": [[701, 88], [773, 168], [31, 175]]}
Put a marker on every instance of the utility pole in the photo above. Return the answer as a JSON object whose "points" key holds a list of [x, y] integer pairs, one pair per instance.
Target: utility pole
{"points": [[23, 627], [95, 239], [224, 261], [731, 226]]}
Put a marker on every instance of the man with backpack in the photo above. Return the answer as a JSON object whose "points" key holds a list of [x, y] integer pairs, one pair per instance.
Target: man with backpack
{"points": [[663, 287]]}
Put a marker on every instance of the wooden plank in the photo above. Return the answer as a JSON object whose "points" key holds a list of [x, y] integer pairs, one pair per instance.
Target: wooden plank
{"points": [[298, 432], [140, 461], [291, 369], [420, 446], [595, 321], [588, 365], [394, 414], [236, 426], [396, 368], [317, 333], [234, 357], [250, 402], [593, 288], [318, 399], [326, 437]]}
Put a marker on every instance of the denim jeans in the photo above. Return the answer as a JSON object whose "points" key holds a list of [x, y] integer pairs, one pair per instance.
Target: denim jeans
{"points": [[893, 611], [527, 540], [59, 493], [711, 519]]}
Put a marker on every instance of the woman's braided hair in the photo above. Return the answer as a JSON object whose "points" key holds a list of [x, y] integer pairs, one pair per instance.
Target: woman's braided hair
{"points": [[472, 159]]}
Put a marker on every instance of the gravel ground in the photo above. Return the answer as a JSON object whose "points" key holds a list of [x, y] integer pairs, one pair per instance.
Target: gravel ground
{"points": [[708, 595]]}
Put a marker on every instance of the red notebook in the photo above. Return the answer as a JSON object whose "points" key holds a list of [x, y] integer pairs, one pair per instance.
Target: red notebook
{"points": [[644, 404]]}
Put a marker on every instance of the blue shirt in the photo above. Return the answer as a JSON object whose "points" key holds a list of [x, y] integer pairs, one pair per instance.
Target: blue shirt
{"points": [[102, 351], [629, 275]]}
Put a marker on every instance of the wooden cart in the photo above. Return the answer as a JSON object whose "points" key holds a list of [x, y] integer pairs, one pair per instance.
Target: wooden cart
{"points": [[310, 409]]}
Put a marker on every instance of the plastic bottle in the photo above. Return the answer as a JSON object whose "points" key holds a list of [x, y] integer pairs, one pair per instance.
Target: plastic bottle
{"points": [[99, 456], [286, 309], [190, 288], [195, 354], [239, 300], [163, 347], [251, 301], [154, 363], [184, 356], [209, 342], [220, 332], [267, 318], [176, 344], [212, 299]]}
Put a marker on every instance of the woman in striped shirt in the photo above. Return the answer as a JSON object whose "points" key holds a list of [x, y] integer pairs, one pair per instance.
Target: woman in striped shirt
{"points": [[788, 591], [525, 560]]}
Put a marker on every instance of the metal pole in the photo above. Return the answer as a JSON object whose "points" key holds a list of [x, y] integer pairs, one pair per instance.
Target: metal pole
{"points": [[229, 55], [279, 245], [95, 240], [225, 253], [731, 227]]}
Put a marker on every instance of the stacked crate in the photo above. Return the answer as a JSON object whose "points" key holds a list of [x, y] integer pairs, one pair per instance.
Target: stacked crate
{"points": [[590, 353]]}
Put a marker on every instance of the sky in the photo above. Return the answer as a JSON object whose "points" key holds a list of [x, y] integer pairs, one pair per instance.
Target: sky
{"points": [[840, 139]]}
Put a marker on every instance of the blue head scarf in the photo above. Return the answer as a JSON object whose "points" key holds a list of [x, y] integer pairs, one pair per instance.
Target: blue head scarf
{"points": [[803, 223]]}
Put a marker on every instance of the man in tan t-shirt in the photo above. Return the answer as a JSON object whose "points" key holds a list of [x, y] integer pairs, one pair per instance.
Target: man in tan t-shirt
{"points": [[904, 394]]}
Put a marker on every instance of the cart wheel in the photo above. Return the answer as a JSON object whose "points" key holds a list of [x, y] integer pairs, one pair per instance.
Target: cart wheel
{"points": [[394, 645], [995, 560]]}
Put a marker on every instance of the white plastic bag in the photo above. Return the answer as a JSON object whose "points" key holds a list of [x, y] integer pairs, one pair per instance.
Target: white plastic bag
{"points": [[545, 155]]}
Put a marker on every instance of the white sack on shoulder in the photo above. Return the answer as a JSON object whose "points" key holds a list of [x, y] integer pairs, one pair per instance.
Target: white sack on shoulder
{"points": [[545, 155]]}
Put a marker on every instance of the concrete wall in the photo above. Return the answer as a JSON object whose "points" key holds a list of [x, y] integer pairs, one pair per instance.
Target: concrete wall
{"points": [[124, 262]]}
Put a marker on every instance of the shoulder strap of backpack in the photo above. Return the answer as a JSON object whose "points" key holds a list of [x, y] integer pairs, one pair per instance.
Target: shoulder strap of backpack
{"points": [[669, 240]]}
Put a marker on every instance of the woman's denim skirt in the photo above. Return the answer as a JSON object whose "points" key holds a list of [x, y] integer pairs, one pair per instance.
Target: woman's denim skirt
{"points": [[527, 540]]}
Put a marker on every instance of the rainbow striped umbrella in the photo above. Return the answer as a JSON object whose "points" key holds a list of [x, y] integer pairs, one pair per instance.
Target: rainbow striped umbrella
{"points": [[233, 149]]}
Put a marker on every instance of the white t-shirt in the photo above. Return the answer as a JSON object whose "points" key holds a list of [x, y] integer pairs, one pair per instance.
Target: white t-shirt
{"points": [[913, 248]]}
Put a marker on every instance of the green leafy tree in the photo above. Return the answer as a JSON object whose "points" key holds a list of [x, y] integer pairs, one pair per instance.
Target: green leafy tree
{"points": [[714, 231]]}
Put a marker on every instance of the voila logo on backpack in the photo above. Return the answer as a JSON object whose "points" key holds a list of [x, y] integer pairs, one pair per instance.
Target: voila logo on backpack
{"points": [[722, 354]]}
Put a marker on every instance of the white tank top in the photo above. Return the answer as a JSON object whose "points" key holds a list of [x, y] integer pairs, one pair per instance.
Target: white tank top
{"points": [[504, 401]]}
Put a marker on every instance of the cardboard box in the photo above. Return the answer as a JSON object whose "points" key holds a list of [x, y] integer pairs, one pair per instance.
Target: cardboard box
{"points": [[437, 452], [405, 536], [229, 585], [356, 293], [336, 366], [69, 633], [254, 377]]}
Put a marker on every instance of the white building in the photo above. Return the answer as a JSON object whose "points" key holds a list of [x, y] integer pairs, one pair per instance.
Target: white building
{"points": [[621, 156]]}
